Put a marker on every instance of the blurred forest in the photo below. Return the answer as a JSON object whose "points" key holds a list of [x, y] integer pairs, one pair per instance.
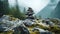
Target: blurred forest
{"points": [[14, 11]]}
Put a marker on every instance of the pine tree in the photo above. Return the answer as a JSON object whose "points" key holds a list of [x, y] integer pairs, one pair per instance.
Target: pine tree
{"points": [[3, 7]]}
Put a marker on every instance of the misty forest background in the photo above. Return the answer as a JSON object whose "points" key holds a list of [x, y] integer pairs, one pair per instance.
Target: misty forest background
{"points": [[52, 10], [5, 9]]}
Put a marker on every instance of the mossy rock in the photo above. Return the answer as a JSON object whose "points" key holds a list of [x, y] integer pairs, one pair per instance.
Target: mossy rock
{"points": [[8, 32]]}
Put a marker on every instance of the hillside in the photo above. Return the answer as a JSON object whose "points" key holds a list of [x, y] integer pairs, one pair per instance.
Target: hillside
{"points": [[46, 12], [56, 12]]}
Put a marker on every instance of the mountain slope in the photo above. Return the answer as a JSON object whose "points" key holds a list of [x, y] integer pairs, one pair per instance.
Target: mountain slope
{"points": [[45, 13], [56, 12]]}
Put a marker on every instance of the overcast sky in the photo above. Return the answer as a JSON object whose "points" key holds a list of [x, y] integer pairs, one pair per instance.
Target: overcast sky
{"points": [[36, 5]]}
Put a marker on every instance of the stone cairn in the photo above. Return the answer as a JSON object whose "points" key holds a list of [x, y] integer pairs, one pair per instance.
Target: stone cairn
{"points": [[30, 13]]}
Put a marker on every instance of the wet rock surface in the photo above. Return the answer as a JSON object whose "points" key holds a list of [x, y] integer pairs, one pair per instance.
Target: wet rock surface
{"points": [[27, 26]]}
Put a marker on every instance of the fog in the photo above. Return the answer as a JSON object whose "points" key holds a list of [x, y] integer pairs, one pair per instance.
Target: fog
{"points": [[36, 5]]}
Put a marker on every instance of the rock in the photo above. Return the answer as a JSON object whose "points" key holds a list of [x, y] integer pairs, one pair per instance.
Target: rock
{"points": [[42, 31], [28, 22], [6, 23]]}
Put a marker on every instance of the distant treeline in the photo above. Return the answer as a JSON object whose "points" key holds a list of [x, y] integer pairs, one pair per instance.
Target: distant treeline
{"points": [[14, 11]]}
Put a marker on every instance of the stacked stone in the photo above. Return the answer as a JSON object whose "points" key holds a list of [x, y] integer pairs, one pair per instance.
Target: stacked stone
{"points": [[30, 13]]}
